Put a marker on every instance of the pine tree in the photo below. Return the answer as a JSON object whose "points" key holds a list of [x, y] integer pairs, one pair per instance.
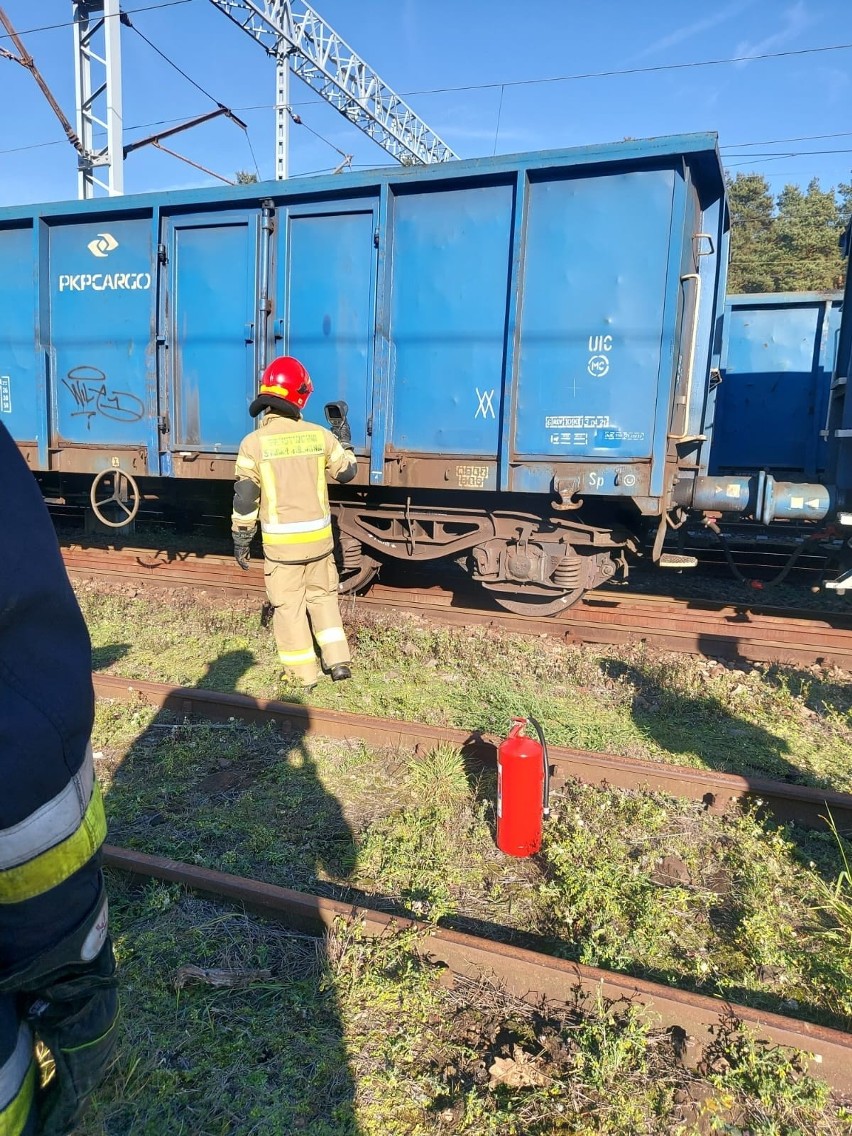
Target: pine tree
{"points": [[807, 234], [791, 245], [753, 254]]}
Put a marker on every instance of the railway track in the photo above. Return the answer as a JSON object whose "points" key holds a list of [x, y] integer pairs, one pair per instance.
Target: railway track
{"points": [[523, 973], [716, 791], [692, 626]]}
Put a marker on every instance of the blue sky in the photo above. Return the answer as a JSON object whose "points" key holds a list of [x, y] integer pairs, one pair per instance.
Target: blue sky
{"points": [[420, 46]]}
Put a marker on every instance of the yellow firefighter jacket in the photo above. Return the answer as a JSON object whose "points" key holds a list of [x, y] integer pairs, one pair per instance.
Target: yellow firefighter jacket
{"points": [[287, 460]]}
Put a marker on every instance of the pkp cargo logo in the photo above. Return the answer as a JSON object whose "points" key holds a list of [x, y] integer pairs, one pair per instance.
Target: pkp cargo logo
{"points": [[102, 245]]}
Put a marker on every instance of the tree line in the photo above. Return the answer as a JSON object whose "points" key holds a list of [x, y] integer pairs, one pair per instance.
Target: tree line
{"points": [[790, 243]]}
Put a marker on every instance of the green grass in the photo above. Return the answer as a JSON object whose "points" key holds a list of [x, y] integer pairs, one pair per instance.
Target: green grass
{"points": [[794, 725], [630, 881], [357, 1037], [728, 906], [353, 1037]]}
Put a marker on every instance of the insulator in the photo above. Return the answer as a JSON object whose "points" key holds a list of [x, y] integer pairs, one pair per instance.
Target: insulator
{"points": [[566, 574]]}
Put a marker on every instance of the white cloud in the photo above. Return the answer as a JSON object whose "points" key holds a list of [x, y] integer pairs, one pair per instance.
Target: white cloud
{"points": [[795, 20], [688, 31]]}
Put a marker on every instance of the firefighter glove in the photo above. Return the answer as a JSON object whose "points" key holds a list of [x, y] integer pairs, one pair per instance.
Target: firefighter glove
{"points": [[75, 1016], [242, 552], [336, 415]]}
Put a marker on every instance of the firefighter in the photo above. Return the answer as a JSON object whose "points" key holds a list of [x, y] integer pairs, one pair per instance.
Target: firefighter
{"points": [[281, 480], [57, 970]]}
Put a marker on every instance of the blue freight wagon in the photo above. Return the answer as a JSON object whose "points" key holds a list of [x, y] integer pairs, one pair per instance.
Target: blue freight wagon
{"points": [[840, 424], [524, 344], [777, 363]]}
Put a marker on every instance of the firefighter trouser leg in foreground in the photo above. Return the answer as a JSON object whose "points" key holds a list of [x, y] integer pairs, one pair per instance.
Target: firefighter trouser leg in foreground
{"points": [[17, 1072], [67, 999], [297, 591], [74, 1013]]}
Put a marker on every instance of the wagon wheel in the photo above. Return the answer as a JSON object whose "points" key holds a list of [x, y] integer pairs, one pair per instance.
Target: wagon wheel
{"points": [[536, 604], [353, 580], [124, 488]]}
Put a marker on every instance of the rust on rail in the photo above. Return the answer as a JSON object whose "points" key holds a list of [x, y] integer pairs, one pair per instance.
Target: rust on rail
{"points": [[717, 791], [523, 973], [694, 626]]}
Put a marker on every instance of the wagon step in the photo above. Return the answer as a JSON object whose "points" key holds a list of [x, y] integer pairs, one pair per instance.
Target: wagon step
{"points": [[677, 560]]}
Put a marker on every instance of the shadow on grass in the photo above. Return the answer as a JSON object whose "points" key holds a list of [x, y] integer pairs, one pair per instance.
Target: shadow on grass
{"points": [[818, 693], [706, 728], [104, 657], [223, 794]]}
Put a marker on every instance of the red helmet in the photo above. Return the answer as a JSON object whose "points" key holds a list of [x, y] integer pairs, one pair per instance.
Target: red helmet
{"points": [[285, 379]]}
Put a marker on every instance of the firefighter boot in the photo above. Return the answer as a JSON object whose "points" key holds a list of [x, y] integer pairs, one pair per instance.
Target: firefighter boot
{"points": [[340, 672], [75, 1014]]}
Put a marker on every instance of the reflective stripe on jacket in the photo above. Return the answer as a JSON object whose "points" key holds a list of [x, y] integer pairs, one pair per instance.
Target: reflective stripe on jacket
{"points": [[287, 460]]}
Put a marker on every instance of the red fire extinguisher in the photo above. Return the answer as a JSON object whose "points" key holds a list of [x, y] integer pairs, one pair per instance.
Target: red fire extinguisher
{"points": [[523, 790]]}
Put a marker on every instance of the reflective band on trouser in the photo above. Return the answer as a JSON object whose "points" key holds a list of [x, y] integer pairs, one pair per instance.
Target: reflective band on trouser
{"points": [[294, 658], [17, 1086], [331, 635], [301, 664], [44, 872], [52, 822]]}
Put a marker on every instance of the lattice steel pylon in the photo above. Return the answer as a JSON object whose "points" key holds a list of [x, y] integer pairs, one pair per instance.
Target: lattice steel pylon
{"points": [[297, 38], [97, 72]]}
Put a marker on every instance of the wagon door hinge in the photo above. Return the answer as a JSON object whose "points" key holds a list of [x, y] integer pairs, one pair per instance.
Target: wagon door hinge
{"points": [[376, 238], [163, 423], [162, 254]]}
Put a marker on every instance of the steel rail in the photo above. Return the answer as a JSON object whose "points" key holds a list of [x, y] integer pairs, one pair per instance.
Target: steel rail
{"points": [[695, 627], [220, 571], [522, 973], [716, 791]]}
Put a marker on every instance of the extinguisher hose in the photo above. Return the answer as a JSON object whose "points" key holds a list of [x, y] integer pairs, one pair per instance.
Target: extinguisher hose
{"points": [[546, 759]]}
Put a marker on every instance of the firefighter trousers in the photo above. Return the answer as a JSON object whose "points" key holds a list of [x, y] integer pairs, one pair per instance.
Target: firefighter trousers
{"points": [[18, 1072], [73, 1011], [299, 592]]}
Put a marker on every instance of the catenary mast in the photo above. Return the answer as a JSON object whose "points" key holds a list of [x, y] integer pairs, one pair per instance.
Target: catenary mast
{"points": [[300, 42]]}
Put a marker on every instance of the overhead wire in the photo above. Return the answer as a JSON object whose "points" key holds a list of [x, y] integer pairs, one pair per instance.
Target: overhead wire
{"points": [[294, 117], [753, 160], [627, 71], [228, 111], [502, 85], [253, 155], [297, 119], [778, 141], [171, 62], [129, 11], [34, 146], [499, 116]]}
